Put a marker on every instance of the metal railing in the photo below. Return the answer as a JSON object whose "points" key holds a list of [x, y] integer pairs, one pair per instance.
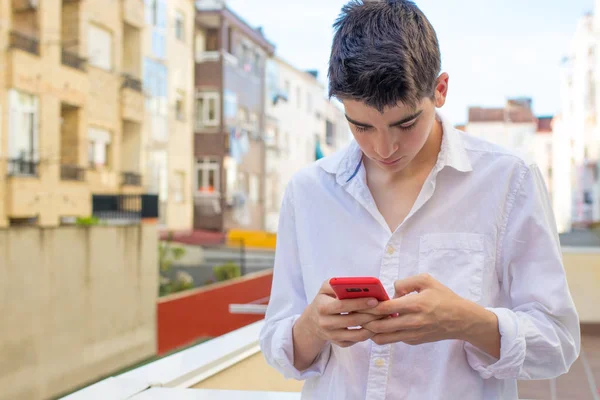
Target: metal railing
{"points": [[125, 208], [22, 167], [131, 82], [72, 173], [21, 41], [72, 59], [131, 179]]}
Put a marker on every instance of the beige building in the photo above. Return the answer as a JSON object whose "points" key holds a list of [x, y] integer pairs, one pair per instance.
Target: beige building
{"points": [[71, 117], [168, 77], [75, 118]]}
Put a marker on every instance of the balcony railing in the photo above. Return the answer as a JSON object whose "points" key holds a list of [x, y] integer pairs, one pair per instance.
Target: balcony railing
{"points": [[131, 179], [125, 208], [130, 82], [72, 173], [72, 59], [21, 41], [22, 167]]}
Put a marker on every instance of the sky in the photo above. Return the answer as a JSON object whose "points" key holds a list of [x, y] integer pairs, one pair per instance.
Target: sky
{"points": [[492, 49]]}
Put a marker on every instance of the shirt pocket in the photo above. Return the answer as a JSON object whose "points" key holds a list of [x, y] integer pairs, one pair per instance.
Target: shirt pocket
{"points": [[456, 260]]}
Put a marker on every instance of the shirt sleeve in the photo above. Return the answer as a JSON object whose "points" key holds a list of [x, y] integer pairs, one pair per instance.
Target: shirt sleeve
{"points": [[287, 302], [539, 328]]}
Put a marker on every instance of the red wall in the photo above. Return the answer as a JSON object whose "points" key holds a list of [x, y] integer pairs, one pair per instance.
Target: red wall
{"points": [[185, 318]]}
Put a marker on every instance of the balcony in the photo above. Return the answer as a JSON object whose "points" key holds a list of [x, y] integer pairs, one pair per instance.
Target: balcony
{"points": [[23, 42], [72, 173], [22, 167], [131, 179], [124, 209], [130, 82], [71, 59]]}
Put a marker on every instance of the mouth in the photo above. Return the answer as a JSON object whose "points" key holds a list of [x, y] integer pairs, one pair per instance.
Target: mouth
{"points": [[393, 162]]}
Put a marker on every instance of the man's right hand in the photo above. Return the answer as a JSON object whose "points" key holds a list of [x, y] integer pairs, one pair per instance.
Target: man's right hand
{"points": [[329, 318]]}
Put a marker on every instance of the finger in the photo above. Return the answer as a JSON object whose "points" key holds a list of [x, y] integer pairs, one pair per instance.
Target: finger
{"points": [[326, 289], [401, 305], [409, 337], [415, 283], [333, 322], [348, 306], [408, 322], [351, 335]]}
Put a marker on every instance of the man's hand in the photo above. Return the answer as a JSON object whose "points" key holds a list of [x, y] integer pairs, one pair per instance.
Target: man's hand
{"points": [[323, 318], [432, 314]]}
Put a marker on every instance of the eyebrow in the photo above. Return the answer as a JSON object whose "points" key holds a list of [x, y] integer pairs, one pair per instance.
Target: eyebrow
{"points": [[401, 122]]}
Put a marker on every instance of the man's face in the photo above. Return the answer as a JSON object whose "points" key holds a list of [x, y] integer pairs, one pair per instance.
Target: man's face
{"points": [[394, 138]]}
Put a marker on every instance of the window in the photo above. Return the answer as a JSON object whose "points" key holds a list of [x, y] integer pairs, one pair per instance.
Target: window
{"points": [[98, 143], [298, 97], [329, 138], [100, 47], [207, 176], [179, 107], [230, 40], [23, 131], [257, 64], [253, 188], [208, 109], [180, 25], [212, 40], [288, 89], [152, 12], [309, 102]]}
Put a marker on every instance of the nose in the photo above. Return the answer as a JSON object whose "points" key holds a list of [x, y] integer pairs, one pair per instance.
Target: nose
{"points": [[386, 146]]}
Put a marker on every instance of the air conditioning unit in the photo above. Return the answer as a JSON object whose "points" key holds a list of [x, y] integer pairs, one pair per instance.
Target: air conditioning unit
{"points": [[33, 3]]}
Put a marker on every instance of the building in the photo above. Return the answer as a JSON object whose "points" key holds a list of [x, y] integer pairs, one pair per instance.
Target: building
{"points": [[72, 106], [543, 151], [300, 123], [229, 148], [576, 136], [168, 65], [513, 127]]}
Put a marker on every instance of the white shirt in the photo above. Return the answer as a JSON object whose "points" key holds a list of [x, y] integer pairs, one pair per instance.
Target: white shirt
{"points": [[482, 225]]}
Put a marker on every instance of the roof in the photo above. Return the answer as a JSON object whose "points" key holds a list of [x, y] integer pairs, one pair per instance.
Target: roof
{"points": [[545, 124], [513, 114]]}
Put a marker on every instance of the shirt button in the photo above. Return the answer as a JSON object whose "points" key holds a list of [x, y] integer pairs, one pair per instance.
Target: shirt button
{"points": [[380, 362], [390, 250]]}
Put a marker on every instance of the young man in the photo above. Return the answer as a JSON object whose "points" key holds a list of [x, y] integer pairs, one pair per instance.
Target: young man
{"points": [[459, 231]]}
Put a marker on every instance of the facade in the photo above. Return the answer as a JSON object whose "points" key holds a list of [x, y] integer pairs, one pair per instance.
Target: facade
{"points": [[514, 126], [576, 139], [544, 151], [300, 122], [71, 104], [168, 79], [229, 142]]}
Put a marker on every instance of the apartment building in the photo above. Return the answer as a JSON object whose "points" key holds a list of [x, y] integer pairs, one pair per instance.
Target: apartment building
{"points": [[71, 105], [230, 119], [300, 121], [168, 80]]}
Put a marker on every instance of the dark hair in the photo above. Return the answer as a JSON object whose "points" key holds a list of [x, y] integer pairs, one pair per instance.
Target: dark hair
{"points": [[384, 52]]}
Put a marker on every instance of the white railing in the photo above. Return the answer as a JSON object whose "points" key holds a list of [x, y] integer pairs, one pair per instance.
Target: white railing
{"points": [[207, 56], [172, 376]]}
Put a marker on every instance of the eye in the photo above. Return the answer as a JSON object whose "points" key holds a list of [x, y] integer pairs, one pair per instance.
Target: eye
{"points": [[361, 128], [411, 125]]}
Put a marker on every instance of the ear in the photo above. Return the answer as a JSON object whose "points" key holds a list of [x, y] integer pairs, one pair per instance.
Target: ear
{"points": [[441, 90]]}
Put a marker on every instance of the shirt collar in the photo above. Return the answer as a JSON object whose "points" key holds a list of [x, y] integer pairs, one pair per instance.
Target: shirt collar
{"points": [[345, 163]]}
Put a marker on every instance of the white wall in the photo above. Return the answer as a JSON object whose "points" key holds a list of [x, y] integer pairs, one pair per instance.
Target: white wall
{"points": [[517, 137], [298, 126]]}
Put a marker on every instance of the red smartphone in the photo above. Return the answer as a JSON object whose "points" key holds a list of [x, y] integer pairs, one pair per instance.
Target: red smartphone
{"points": [[358, 287]]}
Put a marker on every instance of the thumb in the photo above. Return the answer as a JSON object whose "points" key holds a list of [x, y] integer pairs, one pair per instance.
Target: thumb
{"points": [[413, 284]]}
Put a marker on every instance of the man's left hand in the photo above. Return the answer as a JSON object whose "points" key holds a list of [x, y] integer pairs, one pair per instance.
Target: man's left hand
{"points": [[430, 312]]}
